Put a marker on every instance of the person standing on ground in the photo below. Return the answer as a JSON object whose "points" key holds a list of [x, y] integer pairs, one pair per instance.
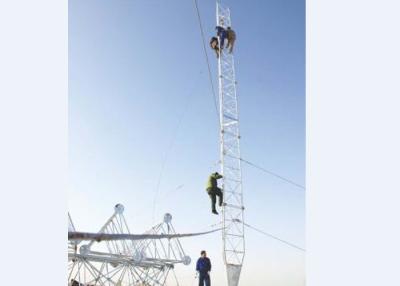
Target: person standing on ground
{"points": [[213, 191], [231, 36], [203, 267]]}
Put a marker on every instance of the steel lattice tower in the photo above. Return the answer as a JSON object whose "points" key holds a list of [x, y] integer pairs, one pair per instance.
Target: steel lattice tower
{"points": [[232, 218], [145, 262]]}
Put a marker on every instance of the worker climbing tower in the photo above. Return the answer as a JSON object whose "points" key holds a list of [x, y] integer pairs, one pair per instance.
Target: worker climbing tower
{"points": [[232, 217]]}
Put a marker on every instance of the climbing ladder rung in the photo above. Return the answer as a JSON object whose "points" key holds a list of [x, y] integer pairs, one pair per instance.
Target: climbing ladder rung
{"points": [[233, 193], [230, 123], [231, 118], [231, 234], [235, 251], [233, 180], [232, 168], [233, 206], [230, 133]]}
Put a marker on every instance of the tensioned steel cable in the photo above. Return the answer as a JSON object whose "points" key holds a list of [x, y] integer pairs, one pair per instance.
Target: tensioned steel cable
{"points": [[166, 155], [207, 60], [273, 174], [274, 237]]}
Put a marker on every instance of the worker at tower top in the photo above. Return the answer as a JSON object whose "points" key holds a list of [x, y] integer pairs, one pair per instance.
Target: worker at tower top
{"points": [[203, 267], [221, 33], [213, 191], [231, 36], [214, 45]]}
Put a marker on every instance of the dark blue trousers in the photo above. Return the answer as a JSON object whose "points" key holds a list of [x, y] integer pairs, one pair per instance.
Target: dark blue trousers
{"points": [[222, 38], [204, 279]]}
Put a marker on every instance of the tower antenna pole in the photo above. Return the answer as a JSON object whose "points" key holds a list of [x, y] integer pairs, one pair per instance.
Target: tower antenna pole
{"points": [[230, 162]]}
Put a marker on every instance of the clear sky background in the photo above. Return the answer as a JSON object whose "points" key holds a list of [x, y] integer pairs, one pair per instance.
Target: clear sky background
{"points": [[139, 97]]}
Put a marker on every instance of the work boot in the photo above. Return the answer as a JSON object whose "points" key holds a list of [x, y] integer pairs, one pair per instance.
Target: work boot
{"points": [[214, 212]]}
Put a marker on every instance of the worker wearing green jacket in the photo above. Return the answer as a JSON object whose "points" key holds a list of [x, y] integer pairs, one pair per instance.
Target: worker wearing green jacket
{"points": [[213, 191]]}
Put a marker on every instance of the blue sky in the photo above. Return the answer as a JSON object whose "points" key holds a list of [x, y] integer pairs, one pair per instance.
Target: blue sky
{"points": [[139, 96]]}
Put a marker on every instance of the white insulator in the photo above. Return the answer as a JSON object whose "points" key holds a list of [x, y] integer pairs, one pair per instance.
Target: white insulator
{"points": [[138, 257], [186, 260], [84, 250], [167, 218], [119, 208]]}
